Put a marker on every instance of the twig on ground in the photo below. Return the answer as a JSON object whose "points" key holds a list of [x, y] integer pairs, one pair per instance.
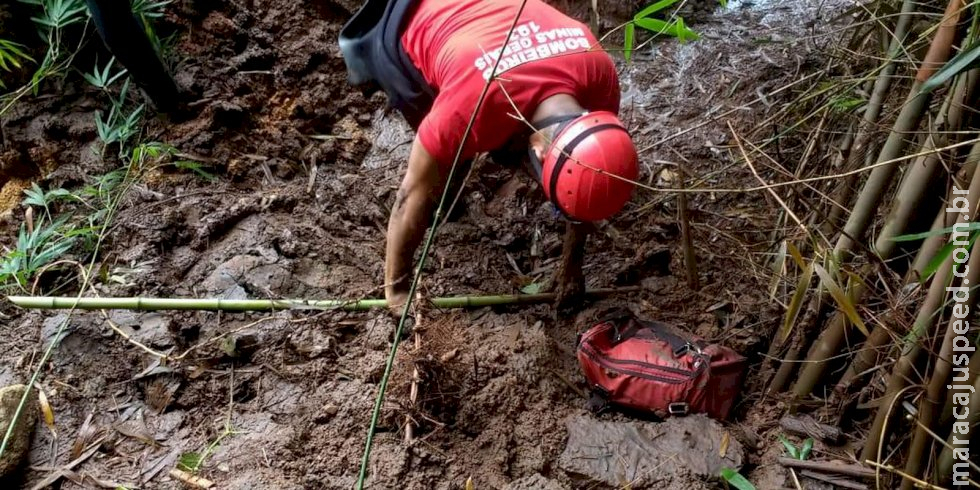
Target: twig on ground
{"points": [[829, 467]]}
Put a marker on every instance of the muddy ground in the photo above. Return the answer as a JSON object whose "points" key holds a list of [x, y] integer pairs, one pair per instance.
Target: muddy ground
{"points": [[306, 172]]}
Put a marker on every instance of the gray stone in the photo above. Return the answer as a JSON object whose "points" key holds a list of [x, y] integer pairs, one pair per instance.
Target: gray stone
{"points": [[268, 279], [154, 331], [20, 440], [535, 482], [643, 453], [51, 326], [225, 281]]}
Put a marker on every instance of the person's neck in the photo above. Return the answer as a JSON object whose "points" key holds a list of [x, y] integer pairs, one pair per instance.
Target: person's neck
{"points": [[556, 105]]}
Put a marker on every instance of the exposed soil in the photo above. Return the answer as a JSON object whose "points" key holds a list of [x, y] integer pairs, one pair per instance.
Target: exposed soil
{"points": [[297, 389]]}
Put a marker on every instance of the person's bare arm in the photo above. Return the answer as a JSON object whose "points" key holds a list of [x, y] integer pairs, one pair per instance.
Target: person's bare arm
{"points": [[410, 217]]}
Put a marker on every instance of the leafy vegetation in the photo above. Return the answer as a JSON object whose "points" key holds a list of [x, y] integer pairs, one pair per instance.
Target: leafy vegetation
{"points": [[801, 453], [735, 479], [644, 19], [12, 55]]}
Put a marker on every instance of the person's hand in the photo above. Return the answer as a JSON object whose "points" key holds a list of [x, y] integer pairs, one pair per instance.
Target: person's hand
{"points": [[396, 300]]}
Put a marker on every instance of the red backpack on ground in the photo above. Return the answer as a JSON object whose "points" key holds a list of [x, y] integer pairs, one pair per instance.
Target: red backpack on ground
{"points": [[651, 367]]}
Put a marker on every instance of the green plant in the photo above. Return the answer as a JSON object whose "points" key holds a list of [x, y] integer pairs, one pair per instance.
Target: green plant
{"points": [[39, 197], [736, 479], [801, 453], [967, 59], [11, 56], [192, 462], [973, 228], [103, 78], [645, 20], [37, 246], [146, 10]]}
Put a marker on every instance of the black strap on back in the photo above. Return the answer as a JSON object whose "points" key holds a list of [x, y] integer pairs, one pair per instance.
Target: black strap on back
{"points": [[566, 152], [371, 46]]}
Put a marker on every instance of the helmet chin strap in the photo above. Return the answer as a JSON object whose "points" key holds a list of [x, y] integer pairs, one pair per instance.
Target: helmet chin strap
{"points": [[563, 120], [534, 163]]}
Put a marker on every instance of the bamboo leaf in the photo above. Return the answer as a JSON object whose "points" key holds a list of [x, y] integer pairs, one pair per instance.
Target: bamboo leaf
{"points": [[797, 256], [189, 462], [972, 226], [841, 298], [736, 480], [790, 448], [628, 42], [965, 60], [778, 270], [654, 8], [941, 256], [796, 302], [807, 448], [46, 411], [676, 29]]}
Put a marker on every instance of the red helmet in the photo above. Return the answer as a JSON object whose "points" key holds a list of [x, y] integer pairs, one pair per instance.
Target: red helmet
{"points": [[589, 169]]}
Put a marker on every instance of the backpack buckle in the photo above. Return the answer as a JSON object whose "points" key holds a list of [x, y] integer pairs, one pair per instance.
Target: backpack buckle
{"points": [[678, 409]]}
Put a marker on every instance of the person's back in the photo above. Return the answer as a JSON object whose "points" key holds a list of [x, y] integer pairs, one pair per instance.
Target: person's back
{"points": [[434, 58], [454, 44]]}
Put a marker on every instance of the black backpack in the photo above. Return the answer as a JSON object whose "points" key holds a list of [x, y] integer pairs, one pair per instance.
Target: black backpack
{"points": [[371, 46]]}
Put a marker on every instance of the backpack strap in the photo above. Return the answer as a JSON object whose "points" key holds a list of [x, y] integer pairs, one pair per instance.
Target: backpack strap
{"points": [[370, 43], [626, 325]]}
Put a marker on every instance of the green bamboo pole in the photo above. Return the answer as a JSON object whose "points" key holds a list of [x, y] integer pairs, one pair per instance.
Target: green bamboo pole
{"points": [[217, 304]]}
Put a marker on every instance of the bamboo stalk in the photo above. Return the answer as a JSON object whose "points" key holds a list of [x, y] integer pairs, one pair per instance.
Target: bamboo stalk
{"points": [[909, 198], [908, 119], [217, 304], [930, 404], [944, 465], [857, 147], [690, 258], [862, 141], [831, 338], [903, 369]]}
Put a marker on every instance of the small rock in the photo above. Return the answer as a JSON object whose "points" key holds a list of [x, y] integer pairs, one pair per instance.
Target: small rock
{"points": [[326, 413], [20, 440], [608, 452]]}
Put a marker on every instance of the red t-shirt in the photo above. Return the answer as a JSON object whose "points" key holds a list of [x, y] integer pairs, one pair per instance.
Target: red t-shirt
{"points": [[453, 43]]}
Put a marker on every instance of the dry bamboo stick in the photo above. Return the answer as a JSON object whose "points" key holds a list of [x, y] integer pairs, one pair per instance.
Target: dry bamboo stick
{"points": [[951, 116], [902, 371], [856, 150], [831, 338], [854, 470]]}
